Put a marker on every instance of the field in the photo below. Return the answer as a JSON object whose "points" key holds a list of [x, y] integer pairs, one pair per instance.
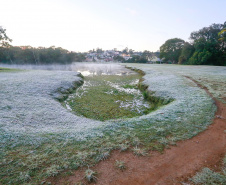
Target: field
{"points": [[42, 141]]}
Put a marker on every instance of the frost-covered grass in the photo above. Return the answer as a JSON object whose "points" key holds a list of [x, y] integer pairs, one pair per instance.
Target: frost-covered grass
{"points": [[209, 177], [40, 138], [211, 77], [28, 103]]}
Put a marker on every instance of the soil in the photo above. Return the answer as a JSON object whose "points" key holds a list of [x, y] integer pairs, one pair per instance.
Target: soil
{"points": [[174, 166]]}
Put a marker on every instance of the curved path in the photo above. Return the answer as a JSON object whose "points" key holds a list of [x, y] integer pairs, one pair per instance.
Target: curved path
{"points": [[174, 166]]}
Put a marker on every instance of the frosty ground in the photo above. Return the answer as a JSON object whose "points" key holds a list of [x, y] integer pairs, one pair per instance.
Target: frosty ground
{"points": [[49, 139]]}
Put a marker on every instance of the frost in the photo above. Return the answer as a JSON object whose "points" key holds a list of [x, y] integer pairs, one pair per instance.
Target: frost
{"points": [[29, 112], [28, 106]]}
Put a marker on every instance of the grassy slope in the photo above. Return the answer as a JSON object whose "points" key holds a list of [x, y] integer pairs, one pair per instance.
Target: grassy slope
{"points": [[35, 159]]}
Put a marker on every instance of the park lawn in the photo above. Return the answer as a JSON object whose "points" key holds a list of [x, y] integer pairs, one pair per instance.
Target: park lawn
{"points": [[41, 139]]}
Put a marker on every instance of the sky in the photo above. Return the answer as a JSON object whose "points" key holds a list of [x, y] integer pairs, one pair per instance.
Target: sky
{"points": [[82, 25]]}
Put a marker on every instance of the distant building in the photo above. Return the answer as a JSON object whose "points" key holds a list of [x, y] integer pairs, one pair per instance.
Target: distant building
{"points": [[126, 56]]}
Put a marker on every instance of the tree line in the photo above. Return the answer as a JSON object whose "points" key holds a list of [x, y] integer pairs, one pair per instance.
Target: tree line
{"points": [[143, 57], [40, 55], [31, 55], [206, 47]]}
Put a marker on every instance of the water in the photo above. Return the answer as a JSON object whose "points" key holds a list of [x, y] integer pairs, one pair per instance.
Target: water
{"points": [[85, 68]]}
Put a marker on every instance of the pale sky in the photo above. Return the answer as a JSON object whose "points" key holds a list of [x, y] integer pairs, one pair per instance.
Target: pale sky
{"points": [[81, 25]]}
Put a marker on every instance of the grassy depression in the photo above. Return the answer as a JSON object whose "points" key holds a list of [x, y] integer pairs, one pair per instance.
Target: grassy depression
{"points": [[110, 97]]}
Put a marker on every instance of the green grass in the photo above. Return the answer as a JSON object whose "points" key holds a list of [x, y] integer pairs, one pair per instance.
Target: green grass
{"points": [[8, 70], [129, 86], [102, 101], [97, 104]]}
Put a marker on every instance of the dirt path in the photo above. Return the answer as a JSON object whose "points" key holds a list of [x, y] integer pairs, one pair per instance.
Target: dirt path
{"points": [[172, 167]]}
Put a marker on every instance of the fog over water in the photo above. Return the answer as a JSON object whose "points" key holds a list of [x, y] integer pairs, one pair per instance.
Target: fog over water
{"points": [[87, 69]]}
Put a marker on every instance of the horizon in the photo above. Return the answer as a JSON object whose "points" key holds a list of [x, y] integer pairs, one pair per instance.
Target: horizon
{"points": [[83, 26]]}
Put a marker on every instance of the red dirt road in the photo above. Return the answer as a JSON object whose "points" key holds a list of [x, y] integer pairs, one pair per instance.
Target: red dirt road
{"points": [[206, 149], [174, 166]]}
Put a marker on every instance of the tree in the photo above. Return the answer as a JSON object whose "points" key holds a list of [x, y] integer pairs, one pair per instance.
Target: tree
{"points": [[186, 52], [119, 58], [208, 48], [125, 51], [207, 33], [147, 55], [4, 39], [222, 34], [199, 58], [222, 38], [99, 50], [40, 55], [171, 50], [131, 51], [31, 55], [4, 45], [137, 59]]}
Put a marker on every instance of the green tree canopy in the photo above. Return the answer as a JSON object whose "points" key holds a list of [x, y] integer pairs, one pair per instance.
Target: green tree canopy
{"points": [[171, 50], [186, 52], [222, 38], [40, 55], [207, 33], [136, 59], [4, 45], [125, 51], [147, 55], [208, 48], [4, 39]]}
